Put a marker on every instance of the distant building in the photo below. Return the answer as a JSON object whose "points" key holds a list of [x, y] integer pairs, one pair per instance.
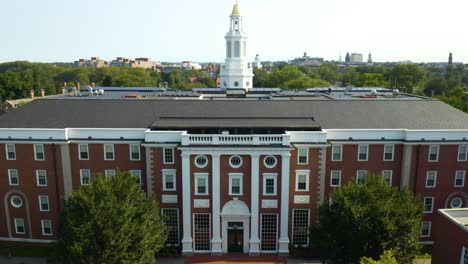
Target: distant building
{"points": [[369, 58], [94, 62], [257, 64], [450, 233], [312, 62], [188, 65], [450, 58], [347, 58], [356, 58]]}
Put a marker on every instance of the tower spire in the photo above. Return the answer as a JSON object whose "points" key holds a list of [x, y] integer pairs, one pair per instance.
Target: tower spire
{"points": [[235, 9]]}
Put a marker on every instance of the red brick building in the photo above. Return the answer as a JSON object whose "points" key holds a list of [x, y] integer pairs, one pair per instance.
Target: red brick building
{"points": [[450, 236], [233, 174]]}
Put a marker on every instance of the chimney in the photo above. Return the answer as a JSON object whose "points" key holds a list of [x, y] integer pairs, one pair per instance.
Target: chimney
{"points": [[64, 90], [93, 84], [32, 94], [78, 88]]}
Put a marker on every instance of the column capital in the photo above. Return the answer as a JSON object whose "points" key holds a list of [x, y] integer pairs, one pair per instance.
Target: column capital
{"points": [[185, 154], [215, 155], [255, 155], [286, 154]]}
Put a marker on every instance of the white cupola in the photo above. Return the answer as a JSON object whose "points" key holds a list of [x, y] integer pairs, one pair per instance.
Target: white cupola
{"points": [[237, 72]]}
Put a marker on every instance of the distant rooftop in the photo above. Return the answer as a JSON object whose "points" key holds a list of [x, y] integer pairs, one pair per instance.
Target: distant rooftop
{"points": [[458, 216]]}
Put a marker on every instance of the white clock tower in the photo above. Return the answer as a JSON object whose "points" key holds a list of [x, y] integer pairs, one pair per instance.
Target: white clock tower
{"points": [[237, 71]]}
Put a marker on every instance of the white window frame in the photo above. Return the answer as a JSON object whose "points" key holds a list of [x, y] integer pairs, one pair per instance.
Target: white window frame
{"points": [[233, 165], [273, 176], [429, 153], [130, 146], [6, 151], [198, 165], [165, 173], [306, 149], [306, 173], [463, 254], [201, 176], [10, 172], [463, 179], [341, 152], [37, 178], [238, 176], [357, 176], [109, 173], [272, 165], [331, 178], [459, 152], [40, 203], [292, 225], [391, 176], [136, 173], [105, 151], [79, 151], [16, 220], [36, 152], [164, 155], [435, 178], [81, 176], [359, 152], [393, 152], [429, 223], [43, 221], [432, 204]]}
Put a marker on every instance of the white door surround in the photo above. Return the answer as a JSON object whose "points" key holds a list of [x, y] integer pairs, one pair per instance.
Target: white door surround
{"points": [[235, 211]]}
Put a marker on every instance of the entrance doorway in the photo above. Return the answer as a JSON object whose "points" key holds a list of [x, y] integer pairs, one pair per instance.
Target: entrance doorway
{"points": [[235, 237]]}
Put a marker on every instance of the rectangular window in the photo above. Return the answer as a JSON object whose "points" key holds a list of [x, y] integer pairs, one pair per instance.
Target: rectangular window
{"points": [[169, 180], [302, 180], [269, 232], [202, 232], [302, 156], [46, 227], [10, 151], [134, 152], [39, 152], [426, 229], [362, 152], [433, 153], [388, 152], [137, 175], [300, 227], [462, 153], [464, 256], [109, 173], [19, 226], [235, 184], [83, 151], [337, 152], [269, 183], [459, 178], [13, 176], [171, 219], [428, 204], [387, 177], [44, 203], [108, 151], [360, 176], [335, 178], [431, 179], [168, 155], [85, 176], [201, 184], [41, 177]]}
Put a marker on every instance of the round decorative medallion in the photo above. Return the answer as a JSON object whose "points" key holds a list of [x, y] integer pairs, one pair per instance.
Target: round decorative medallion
{"points": [[16, 201], [201, 161], [456, 203], [269, 161], [235, 161]]}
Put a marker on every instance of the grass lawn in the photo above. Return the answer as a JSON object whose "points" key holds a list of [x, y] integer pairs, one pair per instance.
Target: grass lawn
{"points": [[26, 250]]}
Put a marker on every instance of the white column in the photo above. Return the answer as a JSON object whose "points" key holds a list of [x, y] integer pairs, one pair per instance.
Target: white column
{"points": [[187, 212], [254, 240], [216, 241], [284, 238]]}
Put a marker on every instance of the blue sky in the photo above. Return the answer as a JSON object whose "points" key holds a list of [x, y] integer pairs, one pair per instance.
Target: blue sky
{"points": [[176, 30]]}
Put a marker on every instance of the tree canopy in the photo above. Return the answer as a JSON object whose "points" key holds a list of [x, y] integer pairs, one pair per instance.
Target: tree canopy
{"points": [[110, 221], [365, 220]]}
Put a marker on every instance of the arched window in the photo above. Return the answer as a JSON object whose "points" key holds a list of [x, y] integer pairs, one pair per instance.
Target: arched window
{"points": [[236, 49], [228, 49], [244, 49]]}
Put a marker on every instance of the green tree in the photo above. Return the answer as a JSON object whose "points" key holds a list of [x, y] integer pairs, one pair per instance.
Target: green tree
{"points": [[110, 221], [284, 74], [350, 76], [386, 258], [304, 82], [437, 85], [260, 78], [408, 78], [366, 220], [372, 80], [329, 73]]}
